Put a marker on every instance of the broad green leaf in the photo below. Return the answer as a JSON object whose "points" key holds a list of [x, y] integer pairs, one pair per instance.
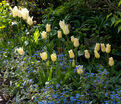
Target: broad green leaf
{"points": [[50, 75], [113, 21], [36, 35], [108, 15], [119, 28], [119, 3], [117, 22]]}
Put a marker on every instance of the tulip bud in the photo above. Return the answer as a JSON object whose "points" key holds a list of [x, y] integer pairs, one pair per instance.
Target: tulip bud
{"points": [[44, 35], [53, 57], [72, 38], [71, 54], [30, 21], [97, 47], [111, 61], [108, 48], [62, 24], [59, 34], [25, 13], [97, 55], [48, 27], [103, 47], [15, 11], [43, 56], [87, 54], [79, 69], [35, 22], [73, 63], [20, 51], [76, 42]]}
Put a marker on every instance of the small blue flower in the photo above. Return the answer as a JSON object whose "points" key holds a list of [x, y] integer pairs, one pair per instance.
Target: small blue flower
{"points": [[77, 96], [40, 103], [57, 85]]}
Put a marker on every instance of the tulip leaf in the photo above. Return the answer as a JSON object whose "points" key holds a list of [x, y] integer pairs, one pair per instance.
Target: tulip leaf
{"points": [[113, 20], [50, 75], [119, 3], [36, 35], [117, 22], [108, 16], [119, 29]]}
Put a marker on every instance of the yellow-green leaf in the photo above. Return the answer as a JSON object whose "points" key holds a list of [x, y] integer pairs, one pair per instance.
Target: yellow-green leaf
{"points": [[36, 35]]}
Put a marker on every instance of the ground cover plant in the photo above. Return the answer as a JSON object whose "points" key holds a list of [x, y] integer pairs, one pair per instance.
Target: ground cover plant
{"points": [[67, 55]]}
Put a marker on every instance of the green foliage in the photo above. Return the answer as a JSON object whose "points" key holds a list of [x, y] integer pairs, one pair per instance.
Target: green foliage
{"points": [[27, 78], [36, 36]]}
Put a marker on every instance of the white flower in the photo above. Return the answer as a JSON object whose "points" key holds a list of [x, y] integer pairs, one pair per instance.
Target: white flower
{"points": [[25, 13], [62, 24], [20, 51], [44, 35], [65, 30], [15, 11], [48, 27], [30, 21]]}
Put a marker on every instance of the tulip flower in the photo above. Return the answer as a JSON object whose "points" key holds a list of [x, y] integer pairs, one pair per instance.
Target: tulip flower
{"points": [[48, 27], [25, 13], [108, 48], [15, 11], [87, 54], [111, 61], [80, 69], [103, 49], [76, 42], [71, 54], [72, 38], [97, 47], [62, 24], [59, 34], [97, 55], [44, 35], [20, 51], [43, 56], [53, 57], [30, 21], [65, 30]]}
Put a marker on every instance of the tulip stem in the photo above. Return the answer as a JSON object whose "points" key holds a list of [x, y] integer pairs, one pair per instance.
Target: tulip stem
{"points": [[67, 41], [108, 62], [59, 47], [89, 66], [48, 34], [76, 54]]}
